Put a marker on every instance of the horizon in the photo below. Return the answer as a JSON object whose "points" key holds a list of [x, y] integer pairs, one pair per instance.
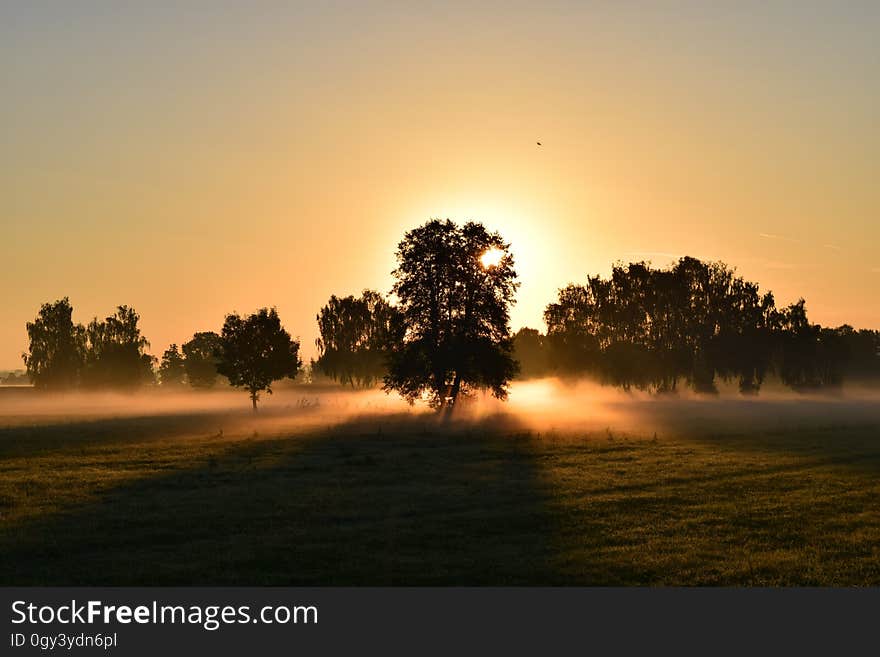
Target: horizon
{"points": [[275, 158], [309, 350]]}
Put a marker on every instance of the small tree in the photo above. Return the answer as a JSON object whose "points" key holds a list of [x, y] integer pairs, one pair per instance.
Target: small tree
{"points": [[256, 351], [201, 355], [56, 346], [171, 370], [531, 352], [455, 286]]}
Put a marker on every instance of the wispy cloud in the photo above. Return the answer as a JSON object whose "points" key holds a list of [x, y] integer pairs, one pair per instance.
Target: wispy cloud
{"points": [[773, 236], [791, 240]]}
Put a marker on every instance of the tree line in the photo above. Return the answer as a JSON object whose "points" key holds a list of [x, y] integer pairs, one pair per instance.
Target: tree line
{"points": [[448, 333], [693, 324], [251, 352]]}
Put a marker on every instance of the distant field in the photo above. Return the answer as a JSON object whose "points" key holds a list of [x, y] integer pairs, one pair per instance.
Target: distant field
{"points": [[626, 493]]}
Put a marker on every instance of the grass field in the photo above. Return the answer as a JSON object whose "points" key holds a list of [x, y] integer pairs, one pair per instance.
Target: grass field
{"points": [[790, 497]]}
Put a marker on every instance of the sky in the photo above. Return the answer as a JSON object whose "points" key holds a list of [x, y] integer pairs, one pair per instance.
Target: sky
{"points": [[193, 159]]}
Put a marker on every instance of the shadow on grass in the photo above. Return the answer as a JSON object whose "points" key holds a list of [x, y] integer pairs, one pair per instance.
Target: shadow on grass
{"points": [[71, 435], [396, 502], [821, 430], [728, 499]]}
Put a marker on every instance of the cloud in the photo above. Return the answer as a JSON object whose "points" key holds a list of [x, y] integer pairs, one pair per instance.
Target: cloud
{"points": [[772, 236], [791, 240]]}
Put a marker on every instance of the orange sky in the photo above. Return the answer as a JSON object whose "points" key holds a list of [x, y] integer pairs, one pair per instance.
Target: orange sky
{"points": [[198, 159]]}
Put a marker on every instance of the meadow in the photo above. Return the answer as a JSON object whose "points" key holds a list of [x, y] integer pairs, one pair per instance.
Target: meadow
{"points": [[560, 487]]}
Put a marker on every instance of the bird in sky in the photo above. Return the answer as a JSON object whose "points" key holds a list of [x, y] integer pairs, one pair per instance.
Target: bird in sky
{"points": [[539, 143]]}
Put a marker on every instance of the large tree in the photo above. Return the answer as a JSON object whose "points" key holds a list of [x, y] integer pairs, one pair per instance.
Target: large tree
{"points": [[256, 351], [455, 285], [356, 338], [201, 355], [56, 346], [116, 352]]}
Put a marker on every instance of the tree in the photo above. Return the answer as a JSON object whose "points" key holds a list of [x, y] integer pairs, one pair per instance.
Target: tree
{"points": [[116, 352], [455, 286], [55, 351], [797, 345], [17, 378], [201, 355], [172, 370], [531, 352], [256, 351], [357, 336], [651, 328], [863, 348], [574, 332]]}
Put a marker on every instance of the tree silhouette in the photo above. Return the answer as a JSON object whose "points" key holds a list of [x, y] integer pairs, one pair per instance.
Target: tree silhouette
{"points": [[650, 328], [530, 351], [455, 305], [115, 354], [256, 351], [172, 369], [16, 379], [810, 356], [862, 351], [56, 346], [573, 342], [357, 336], [201, 355]]}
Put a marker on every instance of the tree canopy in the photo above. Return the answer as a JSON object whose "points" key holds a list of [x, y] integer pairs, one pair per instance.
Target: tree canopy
{"points": [[256, 351], [455, 306], [116, 352], [531, 352], [356, 337], [56, 347], [109, 353], [201, 356], [172, 368], [694, 322]]}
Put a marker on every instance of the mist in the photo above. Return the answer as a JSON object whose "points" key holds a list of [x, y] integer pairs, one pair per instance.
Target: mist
{"points": [[540, 407]]}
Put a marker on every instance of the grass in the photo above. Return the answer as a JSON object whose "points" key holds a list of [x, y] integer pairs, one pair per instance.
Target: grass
{"points": [[171, 500]]}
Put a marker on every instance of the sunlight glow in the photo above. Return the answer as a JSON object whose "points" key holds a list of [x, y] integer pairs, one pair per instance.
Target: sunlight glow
{"points": [[491, 258]]}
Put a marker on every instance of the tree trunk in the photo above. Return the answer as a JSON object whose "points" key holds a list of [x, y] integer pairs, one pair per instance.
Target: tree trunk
{"points": [[453, 396], [440, 389], [456, 388], [254, 396]]}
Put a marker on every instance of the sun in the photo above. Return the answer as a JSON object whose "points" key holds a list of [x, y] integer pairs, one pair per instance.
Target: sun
{"points": [[491, 257]]}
